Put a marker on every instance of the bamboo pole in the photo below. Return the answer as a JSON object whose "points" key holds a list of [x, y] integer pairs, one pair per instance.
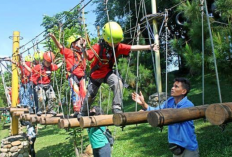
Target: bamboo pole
{"points": [[122, 119], [28, 116], [93, 121], [218, 114], [163, 117], [68, 123]]}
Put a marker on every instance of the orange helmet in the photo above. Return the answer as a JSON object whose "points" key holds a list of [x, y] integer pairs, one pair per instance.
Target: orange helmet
{"points": [[48, 56]]}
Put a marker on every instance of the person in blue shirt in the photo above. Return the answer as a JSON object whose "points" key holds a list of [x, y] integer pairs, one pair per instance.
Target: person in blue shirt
{"points": [[99, 142], [181, 136]]}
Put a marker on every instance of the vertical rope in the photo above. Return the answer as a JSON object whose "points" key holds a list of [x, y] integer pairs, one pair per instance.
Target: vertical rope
{"points": [[212, 46], [115, 59], [153, 58], [166, 56], [203, 52], [137, 74]]}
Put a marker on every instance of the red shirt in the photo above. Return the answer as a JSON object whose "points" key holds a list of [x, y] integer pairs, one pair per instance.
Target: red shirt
{"points": [[122, 49], [42, 74], [25, 74], [70, 60]]}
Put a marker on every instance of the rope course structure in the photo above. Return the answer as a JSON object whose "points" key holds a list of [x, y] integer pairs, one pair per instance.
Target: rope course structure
{"points": [[217, 114]]}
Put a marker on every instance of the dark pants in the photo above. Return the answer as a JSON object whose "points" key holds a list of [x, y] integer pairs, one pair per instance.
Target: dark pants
{"points": [[32, 150], [35, 99], [103, 151]]}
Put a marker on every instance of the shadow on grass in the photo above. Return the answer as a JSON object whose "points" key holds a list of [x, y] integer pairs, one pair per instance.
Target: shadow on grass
{"points": [[148, 141], [62, 149]]}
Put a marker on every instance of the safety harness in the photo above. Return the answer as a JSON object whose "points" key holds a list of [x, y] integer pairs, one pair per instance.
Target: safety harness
{"points": [[103, 45]]}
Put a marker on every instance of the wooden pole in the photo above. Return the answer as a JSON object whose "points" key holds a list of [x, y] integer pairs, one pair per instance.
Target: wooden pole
{"points": [[18, 109], [157, 53], [49, 120], [122, 119], [218, 114], [68, 123], [18, 114], [28, 116], [163, 117], [93, 121], [15, 81]]}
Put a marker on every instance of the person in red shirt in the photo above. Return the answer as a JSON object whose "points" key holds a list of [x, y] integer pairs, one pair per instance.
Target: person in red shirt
{"points": [[41, 78], [103, 61], [26, 91], [75, 66]]}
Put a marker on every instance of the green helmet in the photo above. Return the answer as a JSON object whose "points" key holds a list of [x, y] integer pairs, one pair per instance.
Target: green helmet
{"points": [[38, 56], [116, 30], [28, 58], [72, 39]]}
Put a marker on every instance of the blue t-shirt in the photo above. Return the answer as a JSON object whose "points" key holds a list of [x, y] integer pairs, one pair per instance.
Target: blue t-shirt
{"points": [[97, 137], [182, 134]]}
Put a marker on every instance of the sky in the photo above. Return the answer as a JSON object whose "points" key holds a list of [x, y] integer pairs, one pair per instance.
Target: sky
{"points": [[26, 17]]}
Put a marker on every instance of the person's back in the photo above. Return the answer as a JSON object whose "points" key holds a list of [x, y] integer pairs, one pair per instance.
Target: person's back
{"points": [[99, 142]]}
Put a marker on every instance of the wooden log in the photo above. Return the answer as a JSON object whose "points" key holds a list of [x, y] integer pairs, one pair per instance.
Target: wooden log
{"points": [[163, 117], [18, 113], [28, 116], [122, 119], [218, 114], [68, 123], [93, 121], [18, 109], [49, 120]]}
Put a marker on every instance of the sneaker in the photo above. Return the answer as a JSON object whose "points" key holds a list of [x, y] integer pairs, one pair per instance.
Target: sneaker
{"points": [[116, 110], [39, 113], [31, 111], [52, 112], [82, 114], [75, 115]]}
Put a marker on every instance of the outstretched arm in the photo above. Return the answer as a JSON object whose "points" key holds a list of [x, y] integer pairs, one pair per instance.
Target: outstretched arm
{"points": [[56, 41], [144, 47], [139, 99], [27, 67]]}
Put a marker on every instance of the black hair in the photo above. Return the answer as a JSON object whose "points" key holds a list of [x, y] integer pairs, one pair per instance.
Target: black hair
{"points": [[98, 110], [185, 83]]}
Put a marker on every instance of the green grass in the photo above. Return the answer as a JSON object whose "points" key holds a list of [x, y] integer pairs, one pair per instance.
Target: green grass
{"points": [[4, 130], [144, 141]]}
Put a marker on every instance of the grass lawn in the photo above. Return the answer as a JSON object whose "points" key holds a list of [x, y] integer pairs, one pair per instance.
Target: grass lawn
{"points": [[144, 141], [4, 130]]}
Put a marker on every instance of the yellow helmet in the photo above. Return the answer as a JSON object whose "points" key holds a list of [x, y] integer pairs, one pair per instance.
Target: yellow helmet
{"points": [[28, 58], [72, 39], [116, 32], [38, 55]]}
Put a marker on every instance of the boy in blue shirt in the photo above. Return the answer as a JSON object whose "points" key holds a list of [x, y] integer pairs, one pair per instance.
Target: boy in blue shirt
{"points": [[181, 136]]}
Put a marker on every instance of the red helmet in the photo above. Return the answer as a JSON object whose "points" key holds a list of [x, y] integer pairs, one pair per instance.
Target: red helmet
{"points": [[48, 56]]}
